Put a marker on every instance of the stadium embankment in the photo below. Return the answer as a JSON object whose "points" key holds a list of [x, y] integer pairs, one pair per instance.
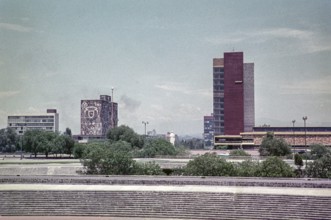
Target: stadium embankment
{"points": [[165, 197]]}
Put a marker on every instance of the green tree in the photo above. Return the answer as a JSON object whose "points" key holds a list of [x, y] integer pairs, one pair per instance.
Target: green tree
{"points": [[68, 144], [9, 140], [318, 151], [272, 146], [78, 150], [320, 168], [247, 168], [275, 167], [121, 146], [298, 161], [41, 141], [209, 165], [31, 141], [157, 147], [58, 145], [239, 152], [125, 133]]}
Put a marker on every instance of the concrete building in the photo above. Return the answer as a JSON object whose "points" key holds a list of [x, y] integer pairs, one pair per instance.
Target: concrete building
{"points": [[233, 94], [98, 116], [297, 137], [208, 131], [22, 123]]}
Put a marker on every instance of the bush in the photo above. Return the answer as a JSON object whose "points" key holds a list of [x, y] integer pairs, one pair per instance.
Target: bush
{"points": [[149, 168], [209, 165], [156, 147], [102, 160], [275, 167], [239, 153]]}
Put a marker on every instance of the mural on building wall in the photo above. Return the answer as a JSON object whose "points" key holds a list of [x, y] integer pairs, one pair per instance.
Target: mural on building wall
{"points": [[98, 116], [91, 121]]}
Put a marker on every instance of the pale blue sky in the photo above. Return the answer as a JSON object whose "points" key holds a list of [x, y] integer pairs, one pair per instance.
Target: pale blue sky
{"points": [[158, 57]]}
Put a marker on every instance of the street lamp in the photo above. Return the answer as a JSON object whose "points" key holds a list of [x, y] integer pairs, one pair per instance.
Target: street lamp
{"points": [[145, 123], [293, 122], [304, 121]]}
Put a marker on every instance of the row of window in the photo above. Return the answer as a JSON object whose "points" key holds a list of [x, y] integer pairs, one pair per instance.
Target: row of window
{"points": [[218, 69], [30, 124], [218, 112]]}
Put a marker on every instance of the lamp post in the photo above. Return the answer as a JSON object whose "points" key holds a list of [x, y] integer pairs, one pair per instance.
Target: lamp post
{"points": [[293, 122], [145, 124], [304, 121]]}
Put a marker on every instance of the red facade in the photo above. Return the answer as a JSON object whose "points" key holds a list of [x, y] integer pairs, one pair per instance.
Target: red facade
{"points": [[233, 93]]}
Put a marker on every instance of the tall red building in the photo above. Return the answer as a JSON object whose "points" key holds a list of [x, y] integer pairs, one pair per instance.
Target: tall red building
{"points": [[233, 82]]}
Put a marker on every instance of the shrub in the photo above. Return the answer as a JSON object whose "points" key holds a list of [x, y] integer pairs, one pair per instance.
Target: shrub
{"points": [[320, 168], [209, 165], [247, 168], [102, 160], [275, 167], [156, 147], [149, 168], [239, 153], [318, 151]]}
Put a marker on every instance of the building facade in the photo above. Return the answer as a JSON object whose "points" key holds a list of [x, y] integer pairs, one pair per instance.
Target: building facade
{"points": [[208, 131], [297, 137], [98, 116], [233, 94], [22, 123]]}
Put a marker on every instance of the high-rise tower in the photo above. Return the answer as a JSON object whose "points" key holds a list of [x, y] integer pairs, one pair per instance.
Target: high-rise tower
{"points": [[233, 94]]}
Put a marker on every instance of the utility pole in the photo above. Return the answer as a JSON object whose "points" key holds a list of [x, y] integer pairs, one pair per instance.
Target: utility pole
{"points": [[293, 121]]}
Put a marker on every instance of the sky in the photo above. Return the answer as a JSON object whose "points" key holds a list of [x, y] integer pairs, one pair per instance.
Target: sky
{"points": [[157, 55]]}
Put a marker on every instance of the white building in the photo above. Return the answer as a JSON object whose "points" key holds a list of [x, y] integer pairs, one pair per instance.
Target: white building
{"points": [[22, 123]]}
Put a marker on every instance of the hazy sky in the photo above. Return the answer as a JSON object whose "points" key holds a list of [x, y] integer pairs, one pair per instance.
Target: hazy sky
{"points": [[158, 57]]}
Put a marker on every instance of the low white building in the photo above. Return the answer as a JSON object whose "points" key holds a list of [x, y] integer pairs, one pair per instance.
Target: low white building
{"points": [[22, 123]]}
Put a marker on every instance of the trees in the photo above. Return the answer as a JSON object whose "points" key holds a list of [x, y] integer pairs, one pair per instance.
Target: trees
{"points": [[209, 165], [247, 168], [103, 160], [46, 142], [239, 153], [298, 161], [31, 141], [318, 151], [272, 146], [9, 140], [99, 159], [320, 168], [125, 133], [154, 147], [275, 167]]}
